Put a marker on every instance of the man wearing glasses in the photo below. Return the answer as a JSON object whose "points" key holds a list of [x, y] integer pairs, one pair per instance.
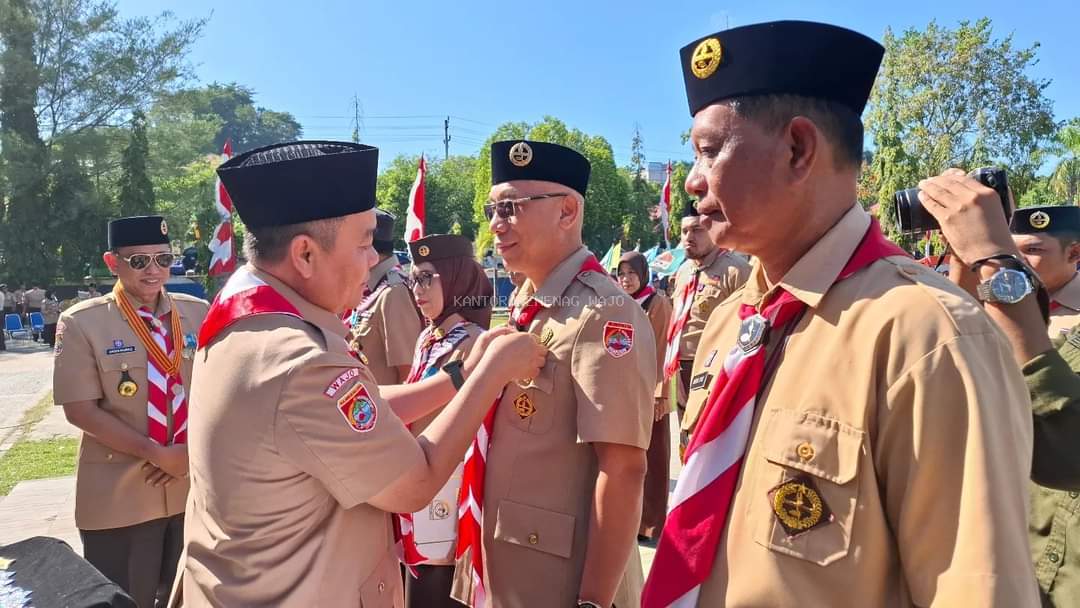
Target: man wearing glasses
{"points": [[123, 375], [563, 478]]}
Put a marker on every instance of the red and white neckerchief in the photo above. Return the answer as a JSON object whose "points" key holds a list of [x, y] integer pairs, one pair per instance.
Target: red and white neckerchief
{"points": [[684, 301], [706, 486], [470, 539], [643, 295], [167, 399], [244, 295], [432, 345]]}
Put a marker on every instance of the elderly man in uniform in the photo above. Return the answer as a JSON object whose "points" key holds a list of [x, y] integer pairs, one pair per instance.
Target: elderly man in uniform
{"points": [[123, 374], [708, 277], [861, 433], [385, 324], [1049, 240], [297, 459], [560, 495]]}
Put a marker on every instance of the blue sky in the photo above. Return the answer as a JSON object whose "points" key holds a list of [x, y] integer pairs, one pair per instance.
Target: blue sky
{"points": [[600, 66]]}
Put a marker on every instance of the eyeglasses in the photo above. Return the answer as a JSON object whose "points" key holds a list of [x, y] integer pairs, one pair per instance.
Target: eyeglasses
{"points": [[507, 208], [139, 261], [423, 279]]}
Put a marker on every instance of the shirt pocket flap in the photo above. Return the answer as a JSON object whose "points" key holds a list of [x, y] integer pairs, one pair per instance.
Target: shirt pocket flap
{"points": [[383, 586], [545, 380], [117, 362], [535, 528], [821, 446]]}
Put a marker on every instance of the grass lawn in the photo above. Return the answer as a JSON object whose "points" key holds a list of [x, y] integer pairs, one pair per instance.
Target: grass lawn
{"points": [[498, 320], [37, 460]]}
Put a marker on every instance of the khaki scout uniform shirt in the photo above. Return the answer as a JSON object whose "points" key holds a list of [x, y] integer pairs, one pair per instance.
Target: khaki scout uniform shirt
{"points": [[1066, 314], [1055, 514], [387, 332], [659, 314], [541, 470], [279, 479], [722, 272], [921, 448], [93, 345]]}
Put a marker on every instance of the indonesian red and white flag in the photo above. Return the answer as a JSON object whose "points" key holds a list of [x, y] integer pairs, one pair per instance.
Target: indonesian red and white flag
{"points": [[414, 222], [665, 203], [222, 258]]}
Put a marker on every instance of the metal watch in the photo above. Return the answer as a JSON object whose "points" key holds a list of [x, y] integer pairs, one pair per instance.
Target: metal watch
{"points": [[1006, 286], [454, 370]]}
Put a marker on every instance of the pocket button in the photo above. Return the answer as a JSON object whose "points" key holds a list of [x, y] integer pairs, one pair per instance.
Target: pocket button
{"points": [[805, 452], [534, 538]]}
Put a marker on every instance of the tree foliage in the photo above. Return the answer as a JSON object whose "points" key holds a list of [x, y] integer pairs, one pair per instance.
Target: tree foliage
{"points": [[136, 195], [248, 126]]}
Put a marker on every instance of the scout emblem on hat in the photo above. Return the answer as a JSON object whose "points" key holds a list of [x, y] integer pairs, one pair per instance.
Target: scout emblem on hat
{"points": [[521, 154], [1039, 220], [752, 333], [706, 58], [424, 250], [436, 247], [358, 409], [164, 228], [618, 338], [127, 386], [798, 506], [1046, 218], [524, 406]]}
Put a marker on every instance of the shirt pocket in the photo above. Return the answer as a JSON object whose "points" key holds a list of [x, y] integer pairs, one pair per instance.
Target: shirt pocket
{"points": [[535, 528], [806, 493], [382, 589], [532, 408]]}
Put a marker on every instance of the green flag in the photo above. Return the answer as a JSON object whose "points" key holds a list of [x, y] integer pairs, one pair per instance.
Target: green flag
{"points": [[611, 258]]}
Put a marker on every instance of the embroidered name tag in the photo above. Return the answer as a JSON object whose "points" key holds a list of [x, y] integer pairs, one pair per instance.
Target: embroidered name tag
{"points": [[119, 351], [335, 386], [700, 381]]}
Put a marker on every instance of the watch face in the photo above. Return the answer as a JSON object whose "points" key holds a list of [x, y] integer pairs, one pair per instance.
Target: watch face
{"points": [[1009, 286]]}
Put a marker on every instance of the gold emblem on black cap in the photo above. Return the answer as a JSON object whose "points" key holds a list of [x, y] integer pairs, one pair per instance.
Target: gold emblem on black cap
{"points": [[164, 228], [706, 58], [424, 250], [521, 154], [1039, 220]]}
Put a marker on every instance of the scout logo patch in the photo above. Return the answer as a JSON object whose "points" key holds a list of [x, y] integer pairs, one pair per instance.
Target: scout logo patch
{"points": [[798, 506], [335, 386], [521, 154], [752, 333], [424, 250], [438, 510], [1039, 220], [618, 338], [524, 406], [358, 409], [700, 381], [706, 58], [164, 228]]}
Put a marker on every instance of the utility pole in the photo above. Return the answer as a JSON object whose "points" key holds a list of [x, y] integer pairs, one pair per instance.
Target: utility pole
{"points": [[446, 138], [356, 119]]}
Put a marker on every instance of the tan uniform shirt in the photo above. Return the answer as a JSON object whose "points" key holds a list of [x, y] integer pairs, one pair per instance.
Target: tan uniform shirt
{"points": [[279, 474], [94, 344], [659, 318], [921, 448], [722, 272], [388, 330], [34, 297], [541, 470], [1066, 313]]}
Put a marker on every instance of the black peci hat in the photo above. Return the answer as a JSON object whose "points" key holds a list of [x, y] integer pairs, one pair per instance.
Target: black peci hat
{"points": [[536, 160], [138, 230], [1049, 219]]}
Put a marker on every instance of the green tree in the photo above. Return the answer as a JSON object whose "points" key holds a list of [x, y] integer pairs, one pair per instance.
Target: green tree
{"points": [[76, 229], [955, 98], [241, 121], [136, 195], [1064, 182], [448, 193], [608, 191], [186, 199]]}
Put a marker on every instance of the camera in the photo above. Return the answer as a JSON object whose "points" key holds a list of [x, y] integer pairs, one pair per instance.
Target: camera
{"points": [[912, 217]]}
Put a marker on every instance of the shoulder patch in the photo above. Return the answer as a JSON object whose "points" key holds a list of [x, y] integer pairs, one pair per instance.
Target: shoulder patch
{"points": [[339, 382], [618, 338], [358, 409]]}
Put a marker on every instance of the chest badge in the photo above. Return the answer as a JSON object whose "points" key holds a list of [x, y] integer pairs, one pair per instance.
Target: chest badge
{"points": [[799, 506], [127, 386], [753, 332], [700, 381], [190, 344], [524, 407]]}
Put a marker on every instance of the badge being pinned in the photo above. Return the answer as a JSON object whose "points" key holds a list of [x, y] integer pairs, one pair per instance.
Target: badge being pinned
{"points": [[358, 409], [618, 338]]}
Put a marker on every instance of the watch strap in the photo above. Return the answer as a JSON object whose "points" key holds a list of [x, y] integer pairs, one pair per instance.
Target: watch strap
{"points": [[453, 369]]}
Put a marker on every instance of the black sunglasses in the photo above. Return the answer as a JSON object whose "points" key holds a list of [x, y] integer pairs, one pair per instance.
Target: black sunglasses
{"points": [[139, 261], [507, 207]]}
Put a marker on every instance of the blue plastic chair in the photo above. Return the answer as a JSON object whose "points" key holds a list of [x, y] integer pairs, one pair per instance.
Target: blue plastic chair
{"points": [[37, 324], [13, 326]]}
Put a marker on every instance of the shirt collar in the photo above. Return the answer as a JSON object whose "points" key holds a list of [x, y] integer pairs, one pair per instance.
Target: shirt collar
{"points": [[706, 261], [816, 271], [1069, 295], [324, 319], [559, 279], [379, 271]]}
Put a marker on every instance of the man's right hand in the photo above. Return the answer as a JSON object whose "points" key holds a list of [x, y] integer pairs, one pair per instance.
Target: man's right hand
{"points": [[476, 353], [515, 355]]}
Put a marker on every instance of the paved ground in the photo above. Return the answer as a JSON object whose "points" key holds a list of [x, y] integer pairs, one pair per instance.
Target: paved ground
{"points": [[25, 377]]}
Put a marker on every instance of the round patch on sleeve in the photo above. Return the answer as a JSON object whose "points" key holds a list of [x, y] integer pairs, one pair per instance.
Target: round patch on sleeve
{"points": [[358, 409], [618, 338]]}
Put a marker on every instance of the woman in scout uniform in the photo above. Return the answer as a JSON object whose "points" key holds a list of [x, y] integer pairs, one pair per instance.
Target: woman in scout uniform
{"points": [[634, 278], [122, 373], [454, 296]]}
